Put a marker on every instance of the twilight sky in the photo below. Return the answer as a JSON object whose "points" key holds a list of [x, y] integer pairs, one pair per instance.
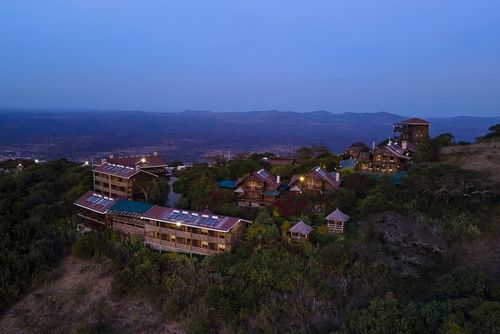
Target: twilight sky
{"points": [[411, 57]]}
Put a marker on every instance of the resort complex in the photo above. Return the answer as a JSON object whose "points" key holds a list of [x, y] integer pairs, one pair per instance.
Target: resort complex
{"points": [[118, 200]]}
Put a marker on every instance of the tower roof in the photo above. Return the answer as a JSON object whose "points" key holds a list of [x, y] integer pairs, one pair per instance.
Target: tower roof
{"points": [[415, 121]]}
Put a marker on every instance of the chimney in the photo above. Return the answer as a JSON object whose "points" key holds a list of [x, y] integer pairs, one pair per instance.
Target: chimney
{"points": [[404, 145], [111, 156], [337, 177], [278, 179], [155, 153]]}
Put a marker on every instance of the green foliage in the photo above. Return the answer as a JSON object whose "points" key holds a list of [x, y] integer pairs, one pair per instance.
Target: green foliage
{"points": [[428, 149], [36, 221], [492, 135], [159, 192]]}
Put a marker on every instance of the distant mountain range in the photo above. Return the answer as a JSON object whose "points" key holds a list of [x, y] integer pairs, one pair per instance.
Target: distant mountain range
{"points": [[191, 135]]}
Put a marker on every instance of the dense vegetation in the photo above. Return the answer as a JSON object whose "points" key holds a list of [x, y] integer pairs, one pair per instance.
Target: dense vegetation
{"points": [[400, 270], [36, 220]]}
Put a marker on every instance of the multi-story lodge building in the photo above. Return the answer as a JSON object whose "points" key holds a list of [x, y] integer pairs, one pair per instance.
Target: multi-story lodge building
{"points": [[125, 217], [149, 163], [161, 228], [118, 181], [387, 159], [92, 211], [317, 181], [412, 130], [258, 188], [191, 232]]}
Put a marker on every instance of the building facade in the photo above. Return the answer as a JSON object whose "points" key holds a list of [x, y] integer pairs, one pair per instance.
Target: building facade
{"points": [[191, 232], [91, 211], [150, 163], [412, 130], [258, 188], [387, 159], [119, 181], [316, 181], [161, 228]]}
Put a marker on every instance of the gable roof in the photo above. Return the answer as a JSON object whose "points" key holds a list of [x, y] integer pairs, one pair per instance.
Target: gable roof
{"points": [[338, 216], [95, 202], [264, 176], [119, 170], [322, 174], [132, 161], [301, 228], [392, 149]]}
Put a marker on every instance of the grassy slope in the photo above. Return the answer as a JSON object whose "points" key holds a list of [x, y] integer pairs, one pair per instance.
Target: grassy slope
{"points": [[483, 157], [481, 254], [79, 300]]}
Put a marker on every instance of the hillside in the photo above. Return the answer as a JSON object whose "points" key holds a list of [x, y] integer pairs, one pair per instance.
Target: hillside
{"points": [[479, 157], [191, 135], [79, 300]]}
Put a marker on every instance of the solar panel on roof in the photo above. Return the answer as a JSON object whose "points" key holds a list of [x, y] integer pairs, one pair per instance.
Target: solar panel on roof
{"points": [[202, 220], [212, 221], [93, 199], [173, 215], [320, 172], [191, 218]]}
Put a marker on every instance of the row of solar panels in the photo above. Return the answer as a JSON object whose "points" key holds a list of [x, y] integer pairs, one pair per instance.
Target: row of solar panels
{"points": [[94, 199], [117, 169], [194, 219]]}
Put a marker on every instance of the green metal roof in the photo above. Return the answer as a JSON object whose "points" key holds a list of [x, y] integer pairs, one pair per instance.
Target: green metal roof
{"points": [[270, 193], [130, 207], [227, 184]]}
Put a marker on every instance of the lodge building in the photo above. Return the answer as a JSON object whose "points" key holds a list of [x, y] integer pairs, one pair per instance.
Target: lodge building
{"points": [[159, 227], [412, 130], [119, 181], [191, 232], [316, 181], [258, 188], [150, 163], [386, 159]]}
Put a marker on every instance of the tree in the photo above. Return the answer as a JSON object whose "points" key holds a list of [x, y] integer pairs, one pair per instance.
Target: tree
{"points": [[493, 134], [159, 192], [428, 149]]}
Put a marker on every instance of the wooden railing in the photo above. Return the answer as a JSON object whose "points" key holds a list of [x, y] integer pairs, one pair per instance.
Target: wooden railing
{"points": [[178, 247]]}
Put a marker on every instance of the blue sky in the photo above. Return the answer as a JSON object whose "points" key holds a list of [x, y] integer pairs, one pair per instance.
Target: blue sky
{"points": [[426, 57]]}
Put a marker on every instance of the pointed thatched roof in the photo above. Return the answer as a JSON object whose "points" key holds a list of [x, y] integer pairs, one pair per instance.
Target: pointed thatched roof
{"points": [[301, 228], [338, 216]]}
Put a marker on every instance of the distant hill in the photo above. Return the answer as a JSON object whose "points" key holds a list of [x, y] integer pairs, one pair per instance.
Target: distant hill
{"points": [[190, 135]]}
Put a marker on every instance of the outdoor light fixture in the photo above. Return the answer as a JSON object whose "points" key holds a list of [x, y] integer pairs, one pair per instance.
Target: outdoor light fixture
{"points": [[301, 179], [178, 224]]}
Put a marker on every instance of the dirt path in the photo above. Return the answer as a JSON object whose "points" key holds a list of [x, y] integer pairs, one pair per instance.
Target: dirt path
{"points": [[79, 301]]}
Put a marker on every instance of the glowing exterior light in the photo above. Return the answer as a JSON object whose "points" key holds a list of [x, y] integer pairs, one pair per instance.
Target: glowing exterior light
{"points": [[178, 224], [143, 160], [86, 162], [36, 161], [301, 179]]}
